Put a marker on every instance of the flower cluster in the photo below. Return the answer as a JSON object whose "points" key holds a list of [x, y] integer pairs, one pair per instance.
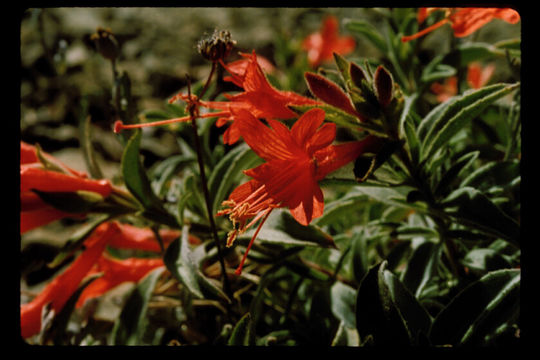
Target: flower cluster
{"points": [[95, 260], [40, 172]]}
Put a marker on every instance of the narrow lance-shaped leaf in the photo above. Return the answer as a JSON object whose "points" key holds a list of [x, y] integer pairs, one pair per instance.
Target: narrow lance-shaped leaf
{"points": [[180, 260], [139, 185], [242, 334], [476, 208], [460, 113], [369, 31], [376, 317], [129, 327], [478, 313]]}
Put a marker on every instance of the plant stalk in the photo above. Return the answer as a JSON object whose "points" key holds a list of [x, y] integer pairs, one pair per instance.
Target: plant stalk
{"points": [[204, 181]]}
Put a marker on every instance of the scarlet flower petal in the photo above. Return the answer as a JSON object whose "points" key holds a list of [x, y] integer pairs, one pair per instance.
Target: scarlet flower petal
{"points": [[265, 142], [334, 157], [306, 126], [116, 272], [59, 290], [478, 76], [30, 220], [132, 237], [310, 205], [28, 153], [51, 181]]}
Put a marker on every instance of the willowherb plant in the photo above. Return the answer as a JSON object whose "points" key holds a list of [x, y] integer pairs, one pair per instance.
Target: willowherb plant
{"points": [[369, 207]]}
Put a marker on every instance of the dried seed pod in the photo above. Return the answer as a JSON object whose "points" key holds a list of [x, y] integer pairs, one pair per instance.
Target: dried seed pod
{"points": [[217, 46], [106, 43]]}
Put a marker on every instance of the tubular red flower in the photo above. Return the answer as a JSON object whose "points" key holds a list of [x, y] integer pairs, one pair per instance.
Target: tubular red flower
{"points": [[116, 272], [464, 21], [478, 76], [445, 90], [296, 159], [132, 237], [33, 175], [59, 290], [259, 97], [321, 45], [94, 260]]}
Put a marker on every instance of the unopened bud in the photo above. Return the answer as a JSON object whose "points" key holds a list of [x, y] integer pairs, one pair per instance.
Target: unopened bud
{"points": [[384, 86], [106, 43], [217, 46]]}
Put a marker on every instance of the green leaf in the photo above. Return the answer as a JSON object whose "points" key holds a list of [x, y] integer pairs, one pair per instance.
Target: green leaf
{"points": [[475, 208], [134, 174], [76, 240], [181, 262], [394, 196], [482, 261], [454, 172], [476, 314], [367, 30], [435, 71], [343, 300], [376, 315], [421, 267], [139, 185], [468, 52], [460, 113], [85, 137], [414, 317], [78, 202], [496, 173], [242, 334], [282, 229], [343, 66], [359, 249], [345, 336], [166, 169], [130, 325], [228, 171]]}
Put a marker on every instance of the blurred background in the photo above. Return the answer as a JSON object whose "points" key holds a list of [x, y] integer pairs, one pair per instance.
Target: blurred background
{"points": [[61, 70]]}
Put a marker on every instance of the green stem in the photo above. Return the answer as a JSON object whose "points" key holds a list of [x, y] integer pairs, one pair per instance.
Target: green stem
{"points": [[433, 211], [198, 147]]}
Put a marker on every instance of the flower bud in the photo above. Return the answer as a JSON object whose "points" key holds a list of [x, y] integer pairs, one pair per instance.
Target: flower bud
{"points": [[384, 86], [217, 46], [106, 43]]}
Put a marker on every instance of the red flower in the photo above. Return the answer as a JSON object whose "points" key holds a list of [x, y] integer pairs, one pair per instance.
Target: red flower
{"points": [[477, 77], [321, 46], [259, 97], [35, 176], [59, 290], [116, 272], [91, 261], [445, 90], [296, 160], [464, 21]]}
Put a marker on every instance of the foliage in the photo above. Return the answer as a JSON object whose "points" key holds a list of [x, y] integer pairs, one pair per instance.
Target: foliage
{"points": [[419, 242]]}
